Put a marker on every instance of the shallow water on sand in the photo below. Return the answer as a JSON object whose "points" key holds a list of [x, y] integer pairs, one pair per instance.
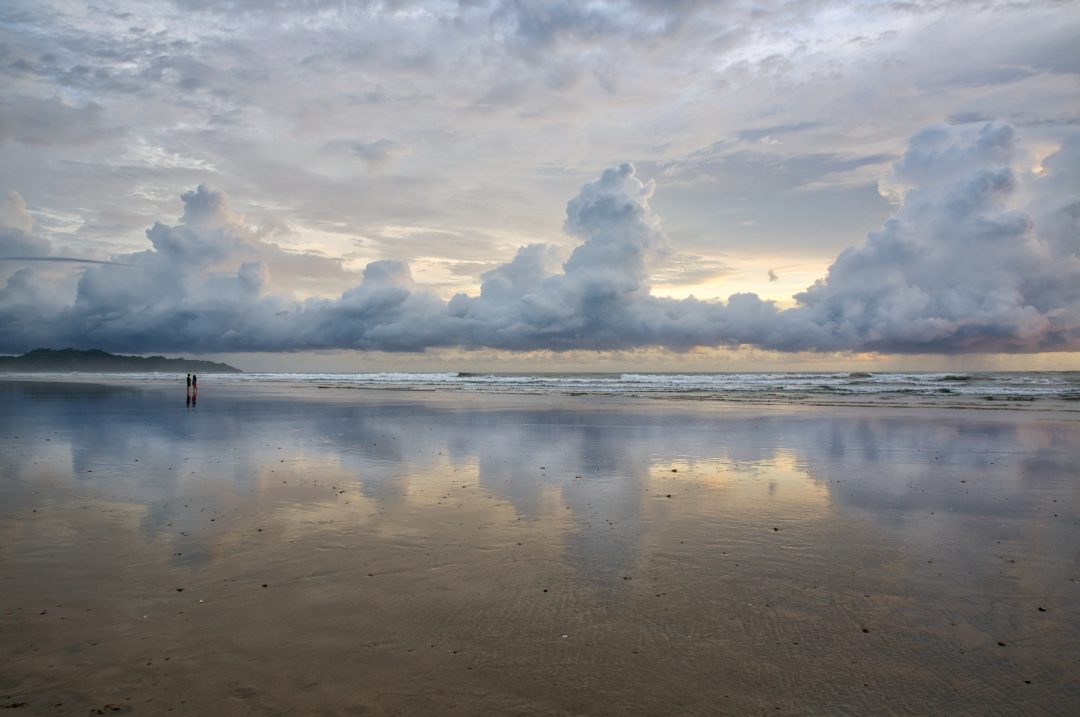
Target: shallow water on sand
{"points": [[343, 552]]}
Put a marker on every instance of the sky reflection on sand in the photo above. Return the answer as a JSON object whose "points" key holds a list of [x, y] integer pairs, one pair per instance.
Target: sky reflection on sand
{"points": [[598, 467], [709, 536]]}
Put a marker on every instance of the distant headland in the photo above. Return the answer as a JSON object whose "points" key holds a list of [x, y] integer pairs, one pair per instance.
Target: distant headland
{"points": [[97, 361]]}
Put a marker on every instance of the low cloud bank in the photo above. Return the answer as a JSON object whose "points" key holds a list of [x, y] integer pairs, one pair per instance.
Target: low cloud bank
{"points": [[955, 270]]}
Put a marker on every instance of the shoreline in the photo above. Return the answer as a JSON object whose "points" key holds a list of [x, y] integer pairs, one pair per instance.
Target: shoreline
{"points": [[1055, 406]]}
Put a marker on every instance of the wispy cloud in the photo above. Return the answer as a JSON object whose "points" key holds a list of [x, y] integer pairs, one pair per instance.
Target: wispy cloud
{"points": [[375, 154], [62, 260]]}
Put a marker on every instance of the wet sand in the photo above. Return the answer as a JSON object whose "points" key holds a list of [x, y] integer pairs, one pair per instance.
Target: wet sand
{"points": [[276, 551]]}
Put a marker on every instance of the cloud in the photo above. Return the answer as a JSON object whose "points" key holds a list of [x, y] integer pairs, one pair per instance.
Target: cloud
{"points": [[375, 154], [759, 134], [537, 26], [27, 298], [690, 270], [208, 91], [15, 227], [50, 122], [941, 153], [746, 170], [14, 213], [470, 269], [59, 260], [956, 269], [1057, 204]]}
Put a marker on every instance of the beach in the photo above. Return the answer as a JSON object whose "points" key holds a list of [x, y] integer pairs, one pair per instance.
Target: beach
{"points": [[290, 549]]}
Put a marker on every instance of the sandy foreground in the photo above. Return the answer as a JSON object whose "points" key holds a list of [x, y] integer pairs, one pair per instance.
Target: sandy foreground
{"points": [[274, 551]]}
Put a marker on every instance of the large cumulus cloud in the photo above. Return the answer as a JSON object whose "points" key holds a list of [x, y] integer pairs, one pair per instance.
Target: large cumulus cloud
{"points": [[956, 269]]}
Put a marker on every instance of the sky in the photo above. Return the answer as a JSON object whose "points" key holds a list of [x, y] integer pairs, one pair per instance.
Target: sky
{"points": [[506, 184]]}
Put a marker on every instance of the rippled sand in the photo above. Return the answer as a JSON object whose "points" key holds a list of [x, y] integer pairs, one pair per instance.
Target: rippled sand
{"points": [[283, 551]]}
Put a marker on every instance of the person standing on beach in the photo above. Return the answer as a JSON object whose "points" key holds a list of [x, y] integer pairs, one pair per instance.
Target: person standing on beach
{"points": [[189, 383], [195, 383]]}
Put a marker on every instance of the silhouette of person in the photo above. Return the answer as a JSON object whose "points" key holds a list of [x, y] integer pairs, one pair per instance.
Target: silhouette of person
{"points": [[195, 383], [189, 383]]}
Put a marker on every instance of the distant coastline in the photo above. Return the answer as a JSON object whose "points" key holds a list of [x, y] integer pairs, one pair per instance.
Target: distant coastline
{"points": [[97, 361]]}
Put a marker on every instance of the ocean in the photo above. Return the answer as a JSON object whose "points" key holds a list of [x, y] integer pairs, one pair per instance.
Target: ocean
{"points": [[974, 389]]}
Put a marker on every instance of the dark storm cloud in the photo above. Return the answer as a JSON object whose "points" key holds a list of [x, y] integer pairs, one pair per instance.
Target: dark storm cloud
{"points": [[954, 270]]}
